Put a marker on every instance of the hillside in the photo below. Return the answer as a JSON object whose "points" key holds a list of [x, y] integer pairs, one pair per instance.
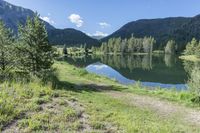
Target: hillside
{"points": [[181, 29], [161, 29], [71, 37], [13, 15], [188, 30]]}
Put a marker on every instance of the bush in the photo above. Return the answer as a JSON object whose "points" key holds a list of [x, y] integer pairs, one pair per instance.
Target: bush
{"points": [[194, 83]]}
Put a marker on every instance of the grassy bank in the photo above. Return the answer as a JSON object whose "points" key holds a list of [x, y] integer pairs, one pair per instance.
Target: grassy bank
{"points": [[190, 58], [79, 103]]}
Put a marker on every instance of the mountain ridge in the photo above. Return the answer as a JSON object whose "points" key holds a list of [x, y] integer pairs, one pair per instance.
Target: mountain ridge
{"points": [[162, 29], [180, 29], [74, 37], [13, 15]]}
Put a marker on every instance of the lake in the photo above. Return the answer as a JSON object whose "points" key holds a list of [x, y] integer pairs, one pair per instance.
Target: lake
{"points": [[165, 71]]}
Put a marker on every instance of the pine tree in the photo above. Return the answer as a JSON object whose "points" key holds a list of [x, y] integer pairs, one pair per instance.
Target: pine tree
{"points": [[35, 52], [7, 58], [65, 50], [86, 48], [192, 47], [197, 51]]}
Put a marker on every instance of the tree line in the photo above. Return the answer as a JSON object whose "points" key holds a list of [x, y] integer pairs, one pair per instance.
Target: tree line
{"points": [[82, 50], [193, 48], [27, 52], [131, 45]]}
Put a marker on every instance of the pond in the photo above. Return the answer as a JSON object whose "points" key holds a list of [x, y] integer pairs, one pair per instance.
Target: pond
{"points": [[165, 71]]}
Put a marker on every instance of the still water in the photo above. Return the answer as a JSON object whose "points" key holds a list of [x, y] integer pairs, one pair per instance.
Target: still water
{"points": [[165, 71]]}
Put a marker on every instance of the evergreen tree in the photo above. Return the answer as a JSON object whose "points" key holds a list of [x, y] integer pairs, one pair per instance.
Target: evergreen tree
{"points": [[65, 50], [192, 47], [86, 49], [36, 55], [7, 57], [197, 51], [131, 45]]}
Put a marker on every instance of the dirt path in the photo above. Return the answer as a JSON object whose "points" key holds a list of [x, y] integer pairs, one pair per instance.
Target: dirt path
{"points": [[55, 108], [161, 107]]}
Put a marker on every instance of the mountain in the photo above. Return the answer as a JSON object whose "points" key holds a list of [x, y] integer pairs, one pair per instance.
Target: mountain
{"points": [[13, 15], [188, 30], [71, 37], [161, 29], [180, 29], [98, 37]]}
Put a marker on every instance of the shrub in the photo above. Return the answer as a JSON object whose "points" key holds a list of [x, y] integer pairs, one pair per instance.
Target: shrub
{"points": [[194, 83]]}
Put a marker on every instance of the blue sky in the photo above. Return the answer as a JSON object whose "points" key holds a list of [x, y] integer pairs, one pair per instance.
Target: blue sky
{"points": [[106, 16]]}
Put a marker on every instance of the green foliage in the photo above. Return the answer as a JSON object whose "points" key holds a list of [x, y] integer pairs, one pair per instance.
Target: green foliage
{"points": [[170, 47], [7, 54], [131, 45], [65, 50], [193, 48], [16, 99], [36, 55], [86, 49], [195, 81]]}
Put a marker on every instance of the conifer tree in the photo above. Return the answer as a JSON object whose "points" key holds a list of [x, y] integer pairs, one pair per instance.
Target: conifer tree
{"points": [[191, 47], [7, 58], [36, 55], [65, 50], [86, 48]]}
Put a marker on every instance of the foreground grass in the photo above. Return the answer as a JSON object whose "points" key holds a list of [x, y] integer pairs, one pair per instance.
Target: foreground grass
{"points": [[77, 104]]}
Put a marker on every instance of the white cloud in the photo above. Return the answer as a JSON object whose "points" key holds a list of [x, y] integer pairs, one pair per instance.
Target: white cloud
{"points": [[104, 24], [76, 19], [47, 19], [99, 33], [99, 67], [89, 34]]}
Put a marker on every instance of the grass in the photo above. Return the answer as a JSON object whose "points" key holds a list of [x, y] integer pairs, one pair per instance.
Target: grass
{"points": [[158, 52], [180, 97], [126, 118], [34, 107], [190, 58], [183, 97]]}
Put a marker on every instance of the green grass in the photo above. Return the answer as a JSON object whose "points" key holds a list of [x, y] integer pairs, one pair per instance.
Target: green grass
{"points": [[41, 108], [190, 58], [16, 99], [158, 52], [180, 97], [183, 97], [127, 118]]}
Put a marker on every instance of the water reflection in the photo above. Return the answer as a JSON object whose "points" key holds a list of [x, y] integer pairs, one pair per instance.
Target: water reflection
{"points": [[164, 69], [102, 69], [170, 60]]}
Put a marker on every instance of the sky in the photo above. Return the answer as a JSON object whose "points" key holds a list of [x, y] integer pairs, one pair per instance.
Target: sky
{"points": [[103, 17]]}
